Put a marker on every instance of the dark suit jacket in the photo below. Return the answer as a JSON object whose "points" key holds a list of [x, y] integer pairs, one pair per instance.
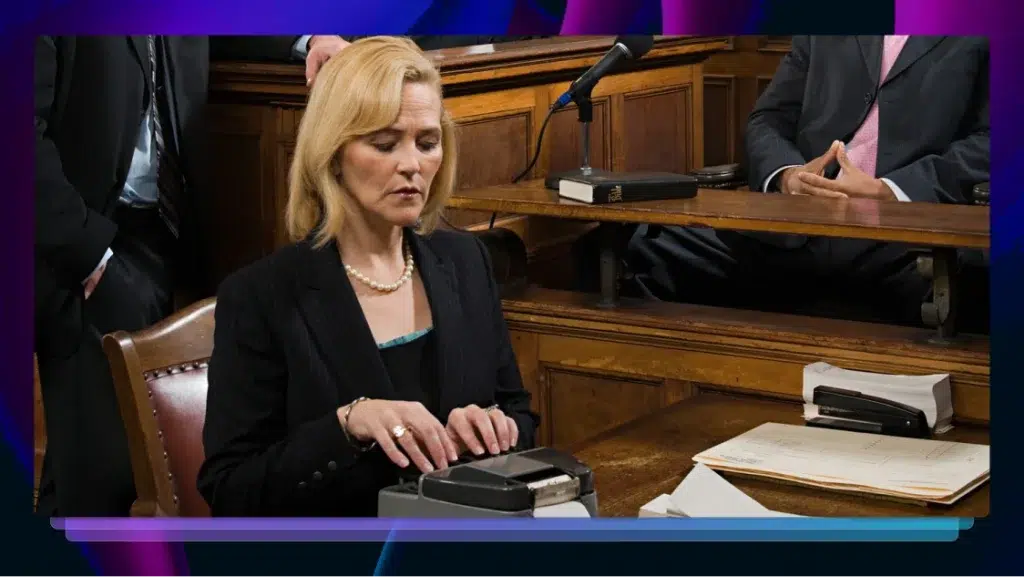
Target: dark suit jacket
{"points": [[933, 137], [292, 345], [90, 95]]}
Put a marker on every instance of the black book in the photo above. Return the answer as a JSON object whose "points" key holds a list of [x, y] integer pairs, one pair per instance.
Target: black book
{"points": [[609, 187]]}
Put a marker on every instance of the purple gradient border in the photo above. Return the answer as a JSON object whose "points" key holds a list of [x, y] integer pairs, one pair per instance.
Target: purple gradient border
{"points": [[997, 19]]}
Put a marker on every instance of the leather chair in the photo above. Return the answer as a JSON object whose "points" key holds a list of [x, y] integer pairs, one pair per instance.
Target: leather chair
{"points": [[160, 378]]}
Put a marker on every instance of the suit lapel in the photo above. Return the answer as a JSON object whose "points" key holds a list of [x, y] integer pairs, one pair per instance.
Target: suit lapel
{"points": [[172, 55], [871, 53], [339, 329], [140, 50], [441, 285], [915, 48]]}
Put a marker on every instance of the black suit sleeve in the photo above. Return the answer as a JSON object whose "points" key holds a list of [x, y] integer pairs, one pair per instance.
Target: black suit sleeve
{"points": [[255, 465], [510, 394], [70, 236], [772, 126], [253, 48], [950, 176]]}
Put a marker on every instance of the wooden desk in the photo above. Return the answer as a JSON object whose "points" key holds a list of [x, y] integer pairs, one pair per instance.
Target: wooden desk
{"points": [[924, 224], [942, 228], [641, 460]]}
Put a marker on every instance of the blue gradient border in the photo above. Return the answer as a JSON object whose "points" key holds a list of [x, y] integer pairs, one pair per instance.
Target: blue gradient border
{"points": [[808, 529], [989, 547]]}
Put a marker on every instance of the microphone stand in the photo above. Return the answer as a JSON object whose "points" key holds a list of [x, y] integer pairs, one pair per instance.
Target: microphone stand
{"points": [[585, 113]]}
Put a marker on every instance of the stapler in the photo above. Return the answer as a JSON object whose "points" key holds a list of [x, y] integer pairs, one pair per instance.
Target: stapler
{"points": [[507, 485], [855, 411]]}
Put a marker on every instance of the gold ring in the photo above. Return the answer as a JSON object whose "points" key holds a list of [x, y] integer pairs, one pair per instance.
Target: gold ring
{"points": [[397, 431]]}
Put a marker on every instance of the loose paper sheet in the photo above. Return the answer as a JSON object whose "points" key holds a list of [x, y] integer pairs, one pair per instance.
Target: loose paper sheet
{"points": [[704, 493], [573, 509], [917, 468]]}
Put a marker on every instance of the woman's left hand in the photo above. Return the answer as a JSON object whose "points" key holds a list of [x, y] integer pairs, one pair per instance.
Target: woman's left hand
{"points": [[474, 429]]}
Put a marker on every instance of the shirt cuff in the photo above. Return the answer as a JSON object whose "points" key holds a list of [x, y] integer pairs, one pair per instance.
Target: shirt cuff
{"points": [[772, 176], [301, 47], [900, 195], [103, 261]]}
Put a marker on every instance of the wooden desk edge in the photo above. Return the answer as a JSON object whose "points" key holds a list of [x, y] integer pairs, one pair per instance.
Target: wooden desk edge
{"points": [[536, 303], [638, 215]]}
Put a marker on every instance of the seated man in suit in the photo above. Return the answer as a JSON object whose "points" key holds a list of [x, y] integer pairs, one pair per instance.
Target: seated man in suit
{"points": [[895, 119], [375, 342]]}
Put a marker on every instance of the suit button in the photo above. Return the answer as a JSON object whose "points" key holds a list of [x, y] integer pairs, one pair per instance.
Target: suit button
{"points": [[332, 466], [318, 476], [868, 97], [302, 484]]}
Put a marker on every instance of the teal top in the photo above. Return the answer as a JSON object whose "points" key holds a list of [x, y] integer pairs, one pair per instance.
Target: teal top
{"points": [[404, 338]]}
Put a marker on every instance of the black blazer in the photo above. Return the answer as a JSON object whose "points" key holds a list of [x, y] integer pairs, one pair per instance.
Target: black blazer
{"points": [[292, 345], [933, 137]]}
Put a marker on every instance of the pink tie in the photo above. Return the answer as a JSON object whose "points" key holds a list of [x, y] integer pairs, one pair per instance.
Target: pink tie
{"points": [[862, 150]]}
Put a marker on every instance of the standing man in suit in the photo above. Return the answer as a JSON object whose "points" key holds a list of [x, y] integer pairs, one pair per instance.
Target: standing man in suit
{"points": [[119, 203], [895, 119]]}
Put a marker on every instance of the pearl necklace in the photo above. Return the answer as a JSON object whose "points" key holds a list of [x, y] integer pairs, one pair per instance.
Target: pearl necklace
{"points": [[384, 287]]}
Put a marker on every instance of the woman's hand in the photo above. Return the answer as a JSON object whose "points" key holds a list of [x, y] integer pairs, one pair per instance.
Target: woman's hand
{"points": [[474, 428], [405, 431]]}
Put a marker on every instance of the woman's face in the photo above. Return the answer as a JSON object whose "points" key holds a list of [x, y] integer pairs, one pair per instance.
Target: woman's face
{"points": [[389, 172]]}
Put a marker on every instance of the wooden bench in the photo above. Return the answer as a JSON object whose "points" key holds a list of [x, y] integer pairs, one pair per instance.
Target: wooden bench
{"points": [[594, 362]]}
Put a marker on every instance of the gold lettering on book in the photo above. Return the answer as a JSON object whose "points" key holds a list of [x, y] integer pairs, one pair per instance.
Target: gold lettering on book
{"points": [[615, 194]]}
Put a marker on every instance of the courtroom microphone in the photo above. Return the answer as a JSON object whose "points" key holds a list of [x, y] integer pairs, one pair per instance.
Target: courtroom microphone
{"points": [[625, 48]]}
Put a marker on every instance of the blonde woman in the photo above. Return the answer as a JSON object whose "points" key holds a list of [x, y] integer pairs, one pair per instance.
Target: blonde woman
{"points": [[373, 343]]}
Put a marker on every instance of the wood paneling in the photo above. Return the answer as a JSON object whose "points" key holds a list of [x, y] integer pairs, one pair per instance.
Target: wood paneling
{"points": [[581, 405], [733, 79], [493, 150], [565, 129], [593, 368], [666, 145], [720, 119]]}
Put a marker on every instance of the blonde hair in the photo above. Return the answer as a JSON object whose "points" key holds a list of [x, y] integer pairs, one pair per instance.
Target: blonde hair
{"points": [[356, 93]]}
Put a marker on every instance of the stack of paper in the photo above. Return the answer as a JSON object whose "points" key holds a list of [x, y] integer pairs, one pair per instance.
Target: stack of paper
{"points": [[915, 469], [704, 493], [929, 393]]}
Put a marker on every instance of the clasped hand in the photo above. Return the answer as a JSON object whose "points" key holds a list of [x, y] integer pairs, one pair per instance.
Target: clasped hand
{"points": [[408, 432], [809, 179]]}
